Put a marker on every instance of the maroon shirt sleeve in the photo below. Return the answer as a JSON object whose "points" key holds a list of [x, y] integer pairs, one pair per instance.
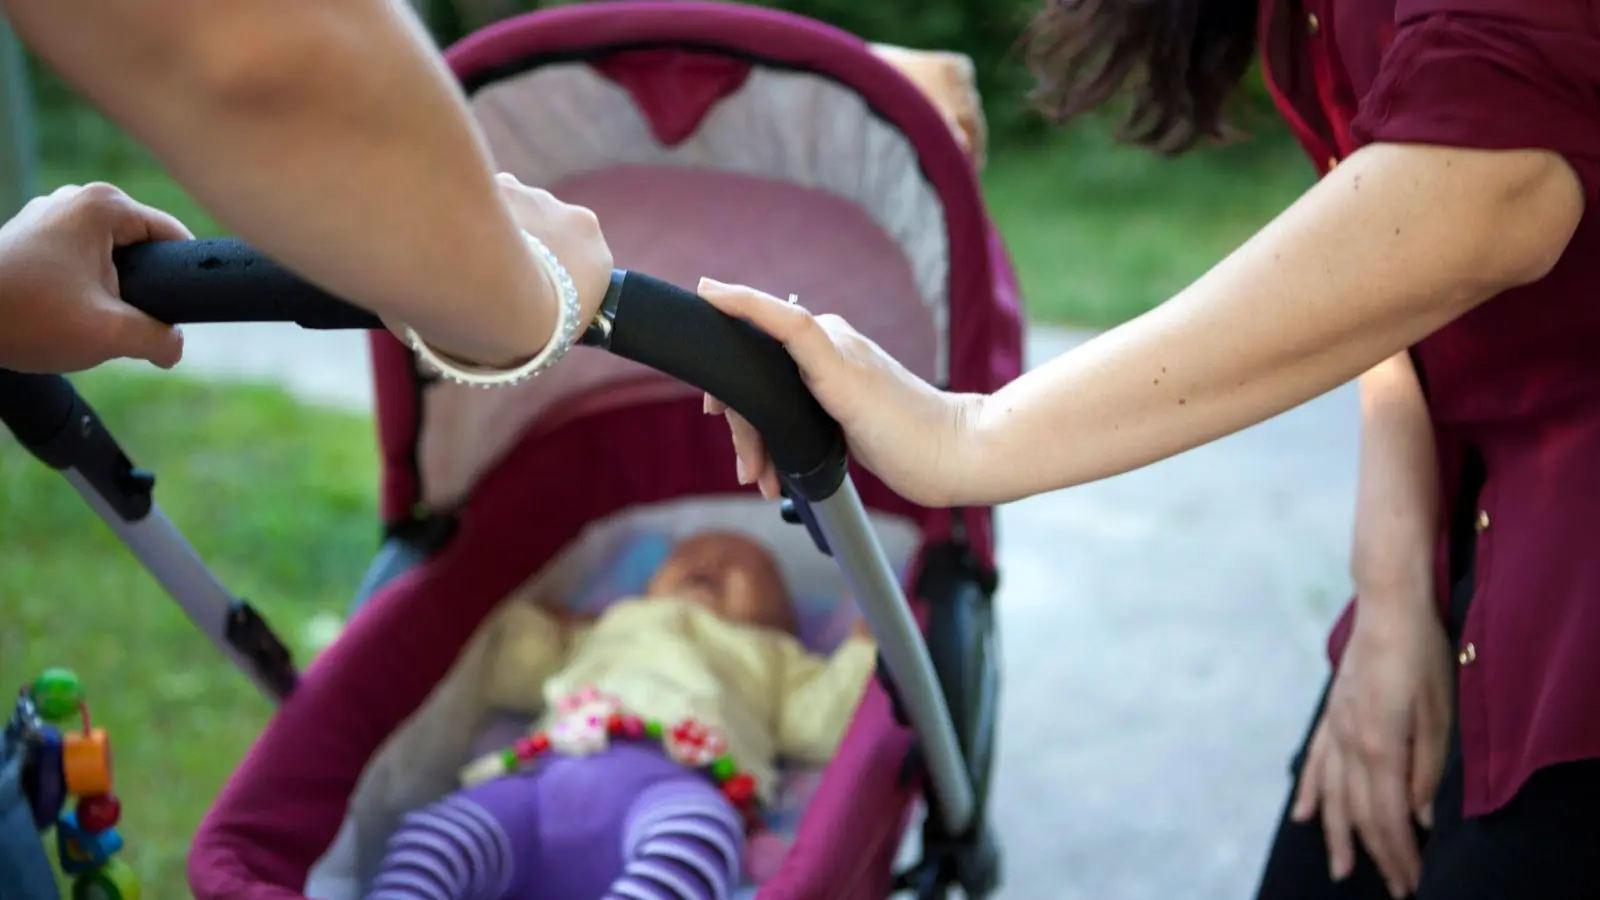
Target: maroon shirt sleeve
{"points": [[1493, 75]]}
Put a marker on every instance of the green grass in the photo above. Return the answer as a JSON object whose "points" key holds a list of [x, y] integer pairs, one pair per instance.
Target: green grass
{"points": [[1100, 234], [278, 498]]}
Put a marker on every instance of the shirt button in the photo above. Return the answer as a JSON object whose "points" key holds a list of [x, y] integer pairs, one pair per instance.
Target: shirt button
{"points": [[1482, 523], [1468, 654], [1313, 24]]}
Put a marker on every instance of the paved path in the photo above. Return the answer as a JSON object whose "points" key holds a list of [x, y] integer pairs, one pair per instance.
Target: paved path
{"points": [[1161, 631]]}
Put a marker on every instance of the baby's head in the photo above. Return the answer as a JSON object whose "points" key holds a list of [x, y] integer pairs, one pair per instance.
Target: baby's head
{"points": [[729, 574]]}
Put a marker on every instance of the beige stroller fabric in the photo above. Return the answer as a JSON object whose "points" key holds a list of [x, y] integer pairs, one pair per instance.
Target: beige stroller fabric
{"points": [[949, 80]]}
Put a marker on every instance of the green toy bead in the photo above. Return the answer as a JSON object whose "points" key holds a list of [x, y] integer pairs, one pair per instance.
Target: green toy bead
{"points": [[652, 729], [724, 768], [112, 881], [508, 759], [57, 694]]}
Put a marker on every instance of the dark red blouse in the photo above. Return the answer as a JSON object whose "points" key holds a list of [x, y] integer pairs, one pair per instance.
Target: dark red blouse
{"points": [[1518, 379]]}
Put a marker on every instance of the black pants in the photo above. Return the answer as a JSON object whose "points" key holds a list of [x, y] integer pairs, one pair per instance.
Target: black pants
{"points": [[1543, 845]]}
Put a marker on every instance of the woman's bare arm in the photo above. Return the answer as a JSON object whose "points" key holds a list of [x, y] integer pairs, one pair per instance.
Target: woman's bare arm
{"points": [[1397, 491], [1395, 243], [329, 134]]}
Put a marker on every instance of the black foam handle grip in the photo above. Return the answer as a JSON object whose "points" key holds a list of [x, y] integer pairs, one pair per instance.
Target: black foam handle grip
{"points": [[654, 323], [35, 407], [226, 280], [675, 332]]}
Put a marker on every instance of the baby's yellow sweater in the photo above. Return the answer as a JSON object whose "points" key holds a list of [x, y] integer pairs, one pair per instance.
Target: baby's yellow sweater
{"points": [[669, 659]]}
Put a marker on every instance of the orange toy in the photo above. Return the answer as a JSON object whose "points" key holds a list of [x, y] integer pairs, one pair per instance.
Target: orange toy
{"points": [[86, 762]]}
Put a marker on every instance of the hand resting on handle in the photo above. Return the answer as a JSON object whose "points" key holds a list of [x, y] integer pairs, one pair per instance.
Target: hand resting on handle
{"points": [[1394, 244], [381, 192], [882, 407], [571, 232], [60, 306]]}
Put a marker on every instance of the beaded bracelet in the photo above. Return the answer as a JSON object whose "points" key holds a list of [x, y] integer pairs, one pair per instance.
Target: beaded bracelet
{"points": [[561, 340]]}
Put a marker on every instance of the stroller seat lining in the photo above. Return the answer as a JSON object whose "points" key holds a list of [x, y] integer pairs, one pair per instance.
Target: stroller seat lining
{"points": [[420, 762], [559, 121]]}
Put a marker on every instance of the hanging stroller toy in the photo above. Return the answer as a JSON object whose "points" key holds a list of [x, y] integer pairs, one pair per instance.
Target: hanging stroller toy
{"points": [[50, 751], [753, 146]]}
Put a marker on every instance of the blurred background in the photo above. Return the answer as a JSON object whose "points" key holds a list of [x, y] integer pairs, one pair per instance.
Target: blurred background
{"points": [[1162, 629]]}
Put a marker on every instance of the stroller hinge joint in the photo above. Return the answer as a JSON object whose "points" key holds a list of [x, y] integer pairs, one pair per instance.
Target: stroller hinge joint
{"points": [[247, 632], [51, 419], [598, 332], [797, 511]]}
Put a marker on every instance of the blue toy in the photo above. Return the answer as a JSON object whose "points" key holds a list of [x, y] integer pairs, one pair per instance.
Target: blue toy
{"points": [[80, 851]]}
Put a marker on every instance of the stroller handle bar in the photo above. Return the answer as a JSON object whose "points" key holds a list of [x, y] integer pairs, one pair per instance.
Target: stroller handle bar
{"points": [[644, 319]]}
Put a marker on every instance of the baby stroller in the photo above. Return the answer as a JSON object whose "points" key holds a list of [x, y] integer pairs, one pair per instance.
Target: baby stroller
{"points": [[750, 145]]}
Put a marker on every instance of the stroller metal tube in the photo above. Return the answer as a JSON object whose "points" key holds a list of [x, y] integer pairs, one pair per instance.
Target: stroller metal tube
{"points": [[48, 417], [844, 522], [173, 562]]}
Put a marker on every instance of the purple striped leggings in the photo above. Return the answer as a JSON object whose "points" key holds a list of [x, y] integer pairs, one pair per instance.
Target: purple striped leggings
{"points": [[626, 824]]}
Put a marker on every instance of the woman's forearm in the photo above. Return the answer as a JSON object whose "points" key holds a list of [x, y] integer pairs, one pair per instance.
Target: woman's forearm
{"points": [[1397, 490], [1395, 243], [328, 134]]}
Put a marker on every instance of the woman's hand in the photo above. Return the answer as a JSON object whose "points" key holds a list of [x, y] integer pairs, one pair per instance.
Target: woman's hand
{"points": [[60, 306], [1377, 755], [571, 232], [898, 426]]}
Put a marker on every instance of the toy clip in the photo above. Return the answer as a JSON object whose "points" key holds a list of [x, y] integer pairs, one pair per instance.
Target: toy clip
{"points": [[62, 762]]}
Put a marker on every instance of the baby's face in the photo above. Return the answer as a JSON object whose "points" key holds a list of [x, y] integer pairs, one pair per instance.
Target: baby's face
{"points": [[729, 574]]}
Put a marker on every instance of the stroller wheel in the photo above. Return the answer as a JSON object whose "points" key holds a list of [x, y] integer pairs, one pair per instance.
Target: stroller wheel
{"points": [[933, 887], [971, 864]]}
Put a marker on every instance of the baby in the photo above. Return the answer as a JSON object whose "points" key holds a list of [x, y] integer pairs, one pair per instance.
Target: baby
{"points": [[660, 727]]}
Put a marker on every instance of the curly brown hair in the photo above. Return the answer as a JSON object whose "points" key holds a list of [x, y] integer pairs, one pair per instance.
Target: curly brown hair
{"points": [[1177, 61]]}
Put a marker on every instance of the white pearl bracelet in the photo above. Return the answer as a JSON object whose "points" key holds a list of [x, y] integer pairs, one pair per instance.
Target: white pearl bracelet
{"points": [[561, 340]]}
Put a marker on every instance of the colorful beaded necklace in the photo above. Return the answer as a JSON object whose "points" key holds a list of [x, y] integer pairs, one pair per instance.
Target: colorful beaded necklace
{"points": [[589, 720]]}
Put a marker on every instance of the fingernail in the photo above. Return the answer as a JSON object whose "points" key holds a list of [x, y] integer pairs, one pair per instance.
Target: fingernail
{"points": [[740, 470], [1425, 816], [710, 284], [1397, 892], [705, 404]]}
